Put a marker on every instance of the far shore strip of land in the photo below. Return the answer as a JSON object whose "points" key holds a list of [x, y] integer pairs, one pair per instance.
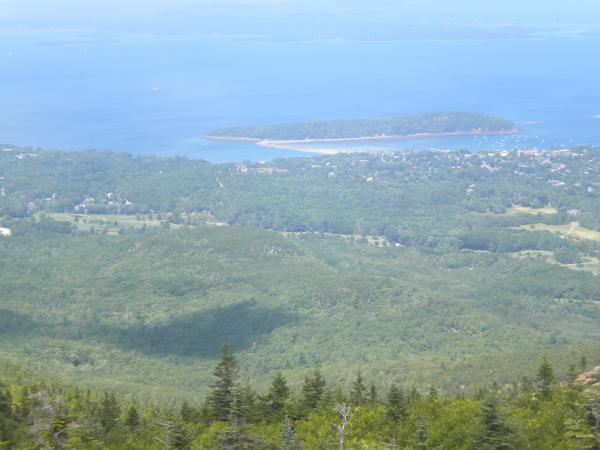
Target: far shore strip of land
{"points": [[305, 145]]}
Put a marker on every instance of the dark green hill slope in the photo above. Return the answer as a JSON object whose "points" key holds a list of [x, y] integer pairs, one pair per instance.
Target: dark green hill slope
{"points": [[154, 308], [421, 267]]}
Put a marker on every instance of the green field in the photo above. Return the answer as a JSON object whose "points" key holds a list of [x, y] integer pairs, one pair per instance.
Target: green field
{"points": [[110, 223], [519, 209], [572, 230], [588, 264]]}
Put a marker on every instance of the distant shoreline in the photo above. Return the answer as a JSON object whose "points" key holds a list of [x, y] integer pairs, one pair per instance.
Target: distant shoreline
{"points": [[296, 144]]}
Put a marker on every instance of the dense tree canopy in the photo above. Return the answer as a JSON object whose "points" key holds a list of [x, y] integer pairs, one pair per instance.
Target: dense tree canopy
{"points": [[434, 123]]}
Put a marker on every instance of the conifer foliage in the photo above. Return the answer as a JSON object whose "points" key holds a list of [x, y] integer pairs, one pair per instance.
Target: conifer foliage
{"points": [[226, 374], [549, 415]]}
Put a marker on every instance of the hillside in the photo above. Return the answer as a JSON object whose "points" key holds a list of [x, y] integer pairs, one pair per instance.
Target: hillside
{"points": [[538, 412], [400, 126], [129, 272]]}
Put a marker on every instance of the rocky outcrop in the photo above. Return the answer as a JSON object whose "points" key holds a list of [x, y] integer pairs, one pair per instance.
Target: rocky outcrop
{"points": [[591, 378]]}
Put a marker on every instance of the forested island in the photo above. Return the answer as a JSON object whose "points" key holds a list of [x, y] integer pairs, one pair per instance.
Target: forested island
{"points": [[432, 124]]}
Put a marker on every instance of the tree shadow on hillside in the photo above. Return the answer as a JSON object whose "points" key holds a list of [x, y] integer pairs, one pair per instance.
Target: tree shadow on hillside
{"points": [[16, 324], [202, 334]]}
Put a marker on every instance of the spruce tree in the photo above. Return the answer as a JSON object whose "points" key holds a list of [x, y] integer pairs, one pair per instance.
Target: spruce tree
{"points": [[496, 434], [312, 391], [583, 364], [7, 424], [174, 435], [226, 374], [248, 404], [572, 373], [396, 404], [180, 439], [235, 436], [187, 414], [109, 412], [433, 393], [373, 397], [421, 435], [545, 379], [279, 392], [358, 393], [526, 385], [5, 401], [289, 439], [415, 395], [133, 418], [592, 415]]}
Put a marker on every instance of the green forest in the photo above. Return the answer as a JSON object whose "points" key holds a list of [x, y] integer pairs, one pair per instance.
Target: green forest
{"points": [[448, 298], [535, 412], [432, 123]]}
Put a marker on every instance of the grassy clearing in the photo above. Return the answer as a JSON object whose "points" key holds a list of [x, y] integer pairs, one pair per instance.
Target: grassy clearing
{"points": [[519, 209], [587, 264], [109, 223], [377, 241], [573, 229]]}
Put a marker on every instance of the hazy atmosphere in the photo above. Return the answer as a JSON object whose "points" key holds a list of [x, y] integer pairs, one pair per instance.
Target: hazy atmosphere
{"points": [[299, 225], [157, 76]]}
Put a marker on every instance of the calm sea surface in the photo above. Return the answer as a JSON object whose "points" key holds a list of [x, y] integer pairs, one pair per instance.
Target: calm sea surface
{"points": [[148, 94]]}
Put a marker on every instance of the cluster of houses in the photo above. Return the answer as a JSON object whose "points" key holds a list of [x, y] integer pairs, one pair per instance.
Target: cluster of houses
{"points": [[558, 164]]}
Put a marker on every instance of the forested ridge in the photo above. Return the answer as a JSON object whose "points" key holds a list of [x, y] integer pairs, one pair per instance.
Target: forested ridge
{"points": [[432, 123], [126, 274]]}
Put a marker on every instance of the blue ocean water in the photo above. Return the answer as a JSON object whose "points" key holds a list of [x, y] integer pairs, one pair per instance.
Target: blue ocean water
{"points": [[160, 95]]}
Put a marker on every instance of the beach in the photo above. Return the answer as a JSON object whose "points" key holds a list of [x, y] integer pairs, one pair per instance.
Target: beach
{"points": [[307, 145]]}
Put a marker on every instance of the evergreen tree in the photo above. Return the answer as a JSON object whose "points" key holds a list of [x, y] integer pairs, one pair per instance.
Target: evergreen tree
{"points": [[433, 393], [421, 435], [526, 385], [180, 439], [278, 394], [396, 404], [173, 436], [373, 397], [248, 404], [592, 416], [5, 402], [415, 395], [235, 436], [545, 379], [337, 395], [358, 393], [7, 424], [109, 412], [312, 391], [572, 373], [289, 439], [583, 364], [133, 418], [496, 434], [186, 412], [226, 373]]}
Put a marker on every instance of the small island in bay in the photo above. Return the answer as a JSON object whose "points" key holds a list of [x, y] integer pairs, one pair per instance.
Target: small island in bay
{"points": [[288, 136]]}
